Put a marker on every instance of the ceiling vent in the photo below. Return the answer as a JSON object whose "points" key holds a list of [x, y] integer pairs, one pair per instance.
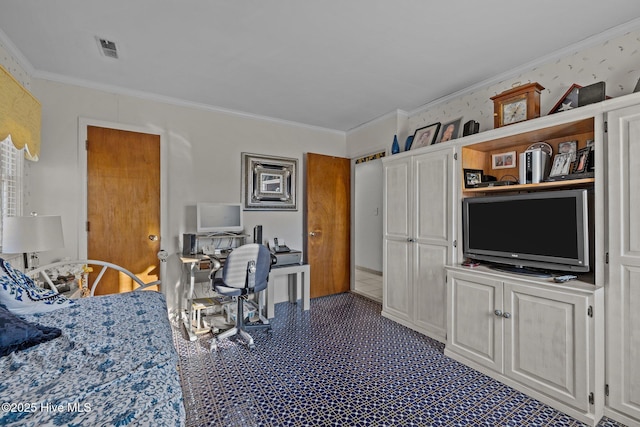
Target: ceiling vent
{"points": [[108, 48]]}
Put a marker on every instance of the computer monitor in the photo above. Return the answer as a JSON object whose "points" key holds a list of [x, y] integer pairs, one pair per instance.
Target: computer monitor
{"points": [[219, 217]]}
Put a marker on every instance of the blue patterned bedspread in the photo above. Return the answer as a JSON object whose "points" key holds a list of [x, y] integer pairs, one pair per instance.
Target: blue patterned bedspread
{"points": [[113, 365]]}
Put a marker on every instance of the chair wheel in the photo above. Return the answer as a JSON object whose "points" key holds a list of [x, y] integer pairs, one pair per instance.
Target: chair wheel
{"points": [[270, 331], [252, 346]]}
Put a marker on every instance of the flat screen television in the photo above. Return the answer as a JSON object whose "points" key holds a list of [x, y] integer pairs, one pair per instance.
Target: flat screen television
{"points": [[218, 217], [530, 232]]}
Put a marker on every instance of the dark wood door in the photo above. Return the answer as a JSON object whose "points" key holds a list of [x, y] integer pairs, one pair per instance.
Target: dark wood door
{"points": [[328, 200], [123, 204]]}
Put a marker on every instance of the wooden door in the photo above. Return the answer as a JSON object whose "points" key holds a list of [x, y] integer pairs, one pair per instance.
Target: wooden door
{"points": [[123, 204], [328, 217]]}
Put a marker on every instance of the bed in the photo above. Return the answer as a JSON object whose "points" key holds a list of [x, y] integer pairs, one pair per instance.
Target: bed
{"points": [[113, 364]]}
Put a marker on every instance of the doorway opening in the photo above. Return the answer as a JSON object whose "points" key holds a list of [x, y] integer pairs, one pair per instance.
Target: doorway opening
{"points": [[368, 226]]}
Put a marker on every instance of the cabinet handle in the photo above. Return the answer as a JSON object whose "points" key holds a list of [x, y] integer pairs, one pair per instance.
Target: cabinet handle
{"points": [[410, 240], [506, 315], [498, 313]]}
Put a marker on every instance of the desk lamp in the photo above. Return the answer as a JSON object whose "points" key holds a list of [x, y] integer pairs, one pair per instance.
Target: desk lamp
{"points": [[30, 235]]}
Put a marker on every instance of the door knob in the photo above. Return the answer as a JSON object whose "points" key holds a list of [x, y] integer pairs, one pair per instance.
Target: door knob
{"points": [[153, 237], [314, 233]]}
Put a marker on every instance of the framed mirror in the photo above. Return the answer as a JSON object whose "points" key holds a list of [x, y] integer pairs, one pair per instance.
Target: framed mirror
{"points": [[268, 182]]}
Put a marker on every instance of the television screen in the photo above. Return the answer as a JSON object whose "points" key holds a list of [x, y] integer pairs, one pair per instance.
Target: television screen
{"points": [[547, 230], [219, 217]]}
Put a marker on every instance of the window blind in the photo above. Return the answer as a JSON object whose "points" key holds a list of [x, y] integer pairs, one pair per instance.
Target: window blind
{"points": [[11, 163]]}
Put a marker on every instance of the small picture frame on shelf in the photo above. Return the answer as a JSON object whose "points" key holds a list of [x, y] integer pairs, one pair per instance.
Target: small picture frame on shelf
{"points": [[425, 136], [451, 130], [562, 164], [581, 164], [568, 147], [503, 160], [472, 177], [568, 101]]}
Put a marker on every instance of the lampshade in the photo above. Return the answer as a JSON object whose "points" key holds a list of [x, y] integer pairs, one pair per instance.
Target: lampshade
{"points": [[21, 234]]}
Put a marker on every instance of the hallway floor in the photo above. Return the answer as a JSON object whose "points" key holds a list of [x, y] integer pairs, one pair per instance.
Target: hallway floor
{"points": [[369, 285]]}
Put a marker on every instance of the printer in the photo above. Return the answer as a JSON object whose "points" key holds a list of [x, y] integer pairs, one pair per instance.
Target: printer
{"points": [[283, 254]]}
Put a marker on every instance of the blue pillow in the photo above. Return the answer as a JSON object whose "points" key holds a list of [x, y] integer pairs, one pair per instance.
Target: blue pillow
{"points": [[18, 334]]}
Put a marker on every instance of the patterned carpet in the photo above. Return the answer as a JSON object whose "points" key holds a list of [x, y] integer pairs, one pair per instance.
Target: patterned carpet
{"points": [[342, 364]]}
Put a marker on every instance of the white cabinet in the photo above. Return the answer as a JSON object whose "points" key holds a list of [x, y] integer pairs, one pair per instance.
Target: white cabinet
{"points": [[535, 336], [623, 284], [475, 330], [418, 239]]}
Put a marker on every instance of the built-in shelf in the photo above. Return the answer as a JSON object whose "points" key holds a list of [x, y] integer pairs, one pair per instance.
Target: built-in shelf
{"points": [[479, 155], [534, 187]]}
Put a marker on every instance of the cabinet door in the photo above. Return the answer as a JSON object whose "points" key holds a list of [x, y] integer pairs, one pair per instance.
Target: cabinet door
{"points": [[396, 253], [474, 329], [433, 210], [623, 287], [433, 232], [397, 199], [546, 337], [430, 288], [396, 289]]}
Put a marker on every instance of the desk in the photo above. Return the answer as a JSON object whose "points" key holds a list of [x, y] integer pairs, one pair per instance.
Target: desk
{"points": [[292, 272], [190, 262]]}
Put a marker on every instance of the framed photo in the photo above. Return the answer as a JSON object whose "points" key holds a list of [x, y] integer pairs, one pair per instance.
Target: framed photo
{"points": [[472, 177], [562, 164], [503, 160], [268, 182], [582, 160], [450, 130], [425, 136], [568, 101], [568, 147]]}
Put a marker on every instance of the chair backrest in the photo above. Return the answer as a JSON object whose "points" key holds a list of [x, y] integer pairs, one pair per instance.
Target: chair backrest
{"points": [[234, 272]]}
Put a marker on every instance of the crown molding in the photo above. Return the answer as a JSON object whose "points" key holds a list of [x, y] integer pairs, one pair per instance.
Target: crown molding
{"points": [[33, 73], [148, 96], [560, 53], [22, 60], [391, 114]]}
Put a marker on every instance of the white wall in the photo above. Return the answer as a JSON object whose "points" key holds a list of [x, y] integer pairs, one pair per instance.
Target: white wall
{"points": [[368, 215], [377, 135], [203, 164]]}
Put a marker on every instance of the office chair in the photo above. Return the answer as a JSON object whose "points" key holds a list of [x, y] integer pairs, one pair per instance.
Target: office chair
{"points": [[245, 271]]}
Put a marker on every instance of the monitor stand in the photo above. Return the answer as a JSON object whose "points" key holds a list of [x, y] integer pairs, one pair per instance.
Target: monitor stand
{"points": [[527, 271]]}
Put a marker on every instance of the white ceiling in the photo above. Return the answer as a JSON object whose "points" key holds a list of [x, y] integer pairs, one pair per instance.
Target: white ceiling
{"points": [[330, 63]]}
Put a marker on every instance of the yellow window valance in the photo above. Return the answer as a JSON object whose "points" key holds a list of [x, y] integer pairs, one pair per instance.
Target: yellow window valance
{"points": [[20, 115]]}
